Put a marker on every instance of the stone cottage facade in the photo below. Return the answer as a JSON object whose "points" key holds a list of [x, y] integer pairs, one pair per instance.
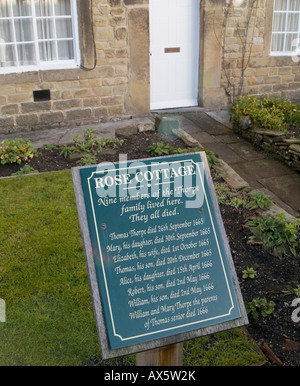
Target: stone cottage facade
{"points": [[86, 61]]}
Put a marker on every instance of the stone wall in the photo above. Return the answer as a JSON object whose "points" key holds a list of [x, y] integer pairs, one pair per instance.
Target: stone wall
{"points": [[117, 86], [247, 66], [275, 142], [114, 35]]}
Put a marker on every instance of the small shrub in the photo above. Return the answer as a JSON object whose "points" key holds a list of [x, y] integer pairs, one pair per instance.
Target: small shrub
{"points": [[228, 196], [66, 150], [268, 113], [16, 151], [258, 200], [159, 149], [279, 235], [90, 143], [87, 160], [260, 305]]}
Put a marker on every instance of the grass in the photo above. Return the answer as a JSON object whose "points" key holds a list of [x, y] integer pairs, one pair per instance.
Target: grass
{"points": [[43, 280]]}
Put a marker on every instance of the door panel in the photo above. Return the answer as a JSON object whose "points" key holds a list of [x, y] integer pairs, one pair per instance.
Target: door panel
{"points": [[174, 53]]}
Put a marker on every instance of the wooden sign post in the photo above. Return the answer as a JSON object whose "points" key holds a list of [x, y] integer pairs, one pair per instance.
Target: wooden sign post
{"points": [[157, 255], [171, 355]]}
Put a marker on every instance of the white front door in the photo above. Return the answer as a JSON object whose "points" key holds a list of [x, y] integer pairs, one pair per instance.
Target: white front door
{"points": [[174, 53]]}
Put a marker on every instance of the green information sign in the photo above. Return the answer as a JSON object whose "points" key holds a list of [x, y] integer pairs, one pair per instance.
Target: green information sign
{"points": [[158, 254]]}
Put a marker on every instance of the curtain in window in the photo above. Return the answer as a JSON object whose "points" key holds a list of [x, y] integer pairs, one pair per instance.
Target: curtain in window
{"points": [[286, 25], [7, 57], [52, 25], [51, 39], [45, 30], [20, 33]]}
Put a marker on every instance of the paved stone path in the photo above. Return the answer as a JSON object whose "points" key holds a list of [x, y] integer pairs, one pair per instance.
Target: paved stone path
{"points": [[213, 132]]}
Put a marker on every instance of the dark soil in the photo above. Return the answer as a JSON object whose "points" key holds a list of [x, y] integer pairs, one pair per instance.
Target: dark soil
{"points": [[277, 333]]}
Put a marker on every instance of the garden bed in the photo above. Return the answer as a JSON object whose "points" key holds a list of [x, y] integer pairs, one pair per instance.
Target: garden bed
{"points": [[272, 125], [277, 277]]}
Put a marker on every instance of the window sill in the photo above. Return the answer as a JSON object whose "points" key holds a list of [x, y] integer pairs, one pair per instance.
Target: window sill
{"points": [[284, 54], [56, 66]]}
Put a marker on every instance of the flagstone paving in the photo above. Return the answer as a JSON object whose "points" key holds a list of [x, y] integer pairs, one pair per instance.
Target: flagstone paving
{"points": [[255, 167]]}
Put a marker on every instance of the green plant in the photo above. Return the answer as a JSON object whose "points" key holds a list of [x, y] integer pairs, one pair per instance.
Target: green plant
{"points": [[292, 291], [262, 305], [87, 160], [228, 196], [273, 114], [159, 148], [278, 234], [49, 146], [16, 151], [212, 159], [66, 150], [26, 169], [249, 272], [297, 291], [112, 142], [90, 143], [258, 200]]}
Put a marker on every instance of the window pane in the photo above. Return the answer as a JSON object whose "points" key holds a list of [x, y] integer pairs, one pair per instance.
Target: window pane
{"points": [[64, 28], [28, 39], [62, 7], [45, 29], [47, 51], [7, 56], [294, 5], [4, 8], [24, 31], [43, 7], [65, 50], [293, 22], [280, 5], [289, 46], [279, 22], [21, 8], [277, 42], [26, 54], [6, 31]]}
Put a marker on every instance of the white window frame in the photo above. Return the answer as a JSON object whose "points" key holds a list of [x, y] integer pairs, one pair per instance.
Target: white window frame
{"points": [[285, 33], [48, 65]]}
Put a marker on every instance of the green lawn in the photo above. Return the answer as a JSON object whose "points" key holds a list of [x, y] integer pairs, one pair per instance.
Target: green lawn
{"points": [[43, 280]]}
